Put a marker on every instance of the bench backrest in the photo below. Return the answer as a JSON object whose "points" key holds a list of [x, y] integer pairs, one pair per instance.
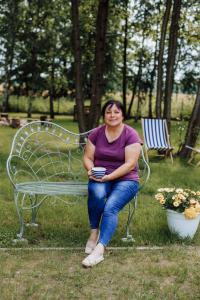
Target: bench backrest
{"points": [[45, 151], [144, 169]]}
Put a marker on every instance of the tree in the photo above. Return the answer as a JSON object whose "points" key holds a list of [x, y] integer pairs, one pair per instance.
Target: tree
{"points": [[77, 63], [161, 56], [193, 128], [57, 29], [142, 48], [124, 83], [172, 49], [153, 71], [31, 55], [8, 31], [97, 80]]}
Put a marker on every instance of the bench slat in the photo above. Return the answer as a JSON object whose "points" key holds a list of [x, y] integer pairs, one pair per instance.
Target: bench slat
{"points": [[53, 188]]}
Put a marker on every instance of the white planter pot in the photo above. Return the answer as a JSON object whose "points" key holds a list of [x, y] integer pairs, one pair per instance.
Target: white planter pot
{"points": [[177, 223]]}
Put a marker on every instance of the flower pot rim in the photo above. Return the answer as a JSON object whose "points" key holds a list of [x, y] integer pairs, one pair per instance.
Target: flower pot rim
{"points": [[174, 211], [181, 213]]}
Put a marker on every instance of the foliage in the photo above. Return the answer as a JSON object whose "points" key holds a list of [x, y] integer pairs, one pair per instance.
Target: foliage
{"points": [[180, 200], [189, 82], [49, 26]]}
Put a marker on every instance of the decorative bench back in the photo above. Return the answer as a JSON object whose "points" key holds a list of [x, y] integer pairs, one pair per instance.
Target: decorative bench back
{"points": [[46, 152]]}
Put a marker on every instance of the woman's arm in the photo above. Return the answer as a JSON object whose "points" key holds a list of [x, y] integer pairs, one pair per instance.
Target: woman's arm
{"points": [[88, 157], [132, 153]]}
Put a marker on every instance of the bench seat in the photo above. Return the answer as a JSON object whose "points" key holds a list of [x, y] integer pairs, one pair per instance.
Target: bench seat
{"points": [[52, 188]]}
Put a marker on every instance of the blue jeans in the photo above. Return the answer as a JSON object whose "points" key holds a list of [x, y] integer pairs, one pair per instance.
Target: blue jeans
{"points": [[105, 200]]}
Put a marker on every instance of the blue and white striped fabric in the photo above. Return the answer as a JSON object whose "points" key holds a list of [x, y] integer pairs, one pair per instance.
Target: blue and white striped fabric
{"points": [[155, 134]]}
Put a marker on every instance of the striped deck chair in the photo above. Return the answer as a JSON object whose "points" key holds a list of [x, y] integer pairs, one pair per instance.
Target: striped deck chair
{"points": [[156, 137]]}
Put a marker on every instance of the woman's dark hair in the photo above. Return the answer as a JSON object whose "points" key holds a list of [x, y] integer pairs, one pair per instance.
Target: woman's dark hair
{"points": [[110, 103]]}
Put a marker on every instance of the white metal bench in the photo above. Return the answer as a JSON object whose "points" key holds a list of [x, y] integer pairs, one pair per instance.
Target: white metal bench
{"points": [[46, 160]]}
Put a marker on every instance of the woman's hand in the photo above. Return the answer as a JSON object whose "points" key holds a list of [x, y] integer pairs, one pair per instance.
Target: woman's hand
{"points": [[103, 179], [89, 173]]}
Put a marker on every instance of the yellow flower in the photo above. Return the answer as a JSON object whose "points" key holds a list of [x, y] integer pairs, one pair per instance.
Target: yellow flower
{"points": [[180, 199], [159, 197], [190, 213], [197, 207], [179, 191], [181, 196], [161, 190], [162, 201], [169, 190], [193, 201]]}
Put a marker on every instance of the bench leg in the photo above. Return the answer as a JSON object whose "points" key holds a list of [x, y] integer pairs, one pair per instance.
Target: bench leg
{"points": [[131, 211], [36, 202], [20, 215], [34, 210]]}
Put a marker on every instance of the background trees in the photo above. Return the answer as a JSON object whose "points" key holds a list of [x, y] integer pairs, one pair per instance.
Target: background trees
{"points": [[9, 26], [136, 49]]}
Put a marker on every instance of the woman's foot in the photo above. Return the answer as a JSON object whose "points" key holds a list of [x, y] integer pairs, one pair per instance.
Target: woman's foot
{"points": [[95, 257], [92, 241]]}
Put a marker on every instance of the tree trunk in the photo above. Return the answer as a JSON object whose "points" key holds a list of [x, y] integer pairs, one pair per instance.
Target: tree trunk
{"points": [[152, 77], [77, 60], [193, 128], [9, 52], [30, 104], [138, 110], [52, 90], [6, 95], [51, 106], [139, 74], [124, 84], [136, 81], [160, 58], [97, 80], [150, 113], [134, 89], [172, 49]]}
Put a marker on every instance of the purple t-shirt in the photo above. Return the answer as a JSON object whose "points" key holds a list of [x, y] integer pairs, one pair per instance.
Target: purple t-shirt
{"points": [[112, 155]]}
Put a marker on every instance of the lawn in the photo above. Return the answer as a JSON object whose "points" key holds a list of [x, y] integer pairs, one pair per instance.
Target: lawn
{"points": [[170, 273], [67, 225]]}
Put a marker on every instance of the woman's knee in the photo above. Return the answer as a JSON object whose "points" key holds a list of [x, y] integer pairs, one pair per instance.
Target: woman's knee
{"points": [[115, 203], [111, 208], [97, 191]]}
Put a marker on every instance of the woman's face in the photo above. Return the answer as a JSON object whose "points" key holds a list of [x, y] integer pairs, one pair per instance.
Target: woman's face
{"points": [[113, 116]]}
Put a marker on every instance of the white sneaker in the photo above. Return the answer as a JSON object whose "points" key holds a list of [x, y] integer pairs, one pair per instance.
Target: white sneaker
{"points": [[92, 260], [90, 245]]}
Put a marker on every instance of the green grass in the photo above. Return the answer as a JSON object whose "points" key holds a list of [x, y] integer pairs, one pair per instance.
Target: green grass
{"points": [[169, 273], [172, 273], [67, 225]]}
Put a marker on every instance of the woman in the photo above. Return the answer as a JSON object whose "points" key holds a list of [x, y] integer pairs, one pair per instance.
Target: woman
{"points": [[115, 146]]}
